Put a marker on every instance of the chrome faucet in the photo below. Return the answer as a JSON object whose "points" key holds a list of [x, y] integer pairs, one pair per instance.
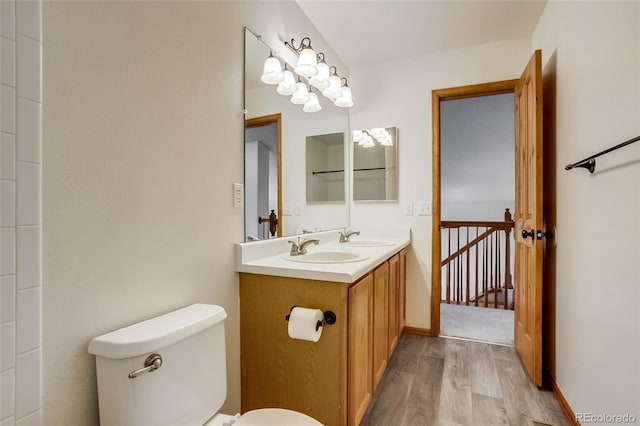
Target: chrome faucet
{"points": [[345, 235], [299, 248]]}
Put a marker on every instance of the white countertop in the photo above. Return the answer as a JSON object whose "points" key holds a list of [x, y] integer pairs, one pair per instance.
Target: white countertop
{"points": [[268, 257]]}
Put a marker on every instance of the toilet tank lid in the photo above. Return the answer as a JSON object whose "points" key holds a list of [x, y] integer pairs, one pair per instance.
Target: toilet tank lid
{"points": [[156, 333]]}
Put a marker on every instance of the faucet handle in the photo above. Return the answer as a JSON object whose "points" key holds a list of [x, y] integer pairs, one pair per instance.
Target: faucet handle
{"points": [[295, 247]]}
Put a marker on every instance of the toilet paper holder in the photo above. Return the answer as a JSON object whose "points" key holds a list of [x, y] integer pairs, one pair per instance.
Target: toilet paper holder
{"points": [[329, 318]]}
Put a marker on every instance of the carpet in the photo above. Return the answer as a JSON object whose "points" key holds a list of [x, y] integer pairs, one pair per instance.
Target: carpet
{"points": [[481, 324]]}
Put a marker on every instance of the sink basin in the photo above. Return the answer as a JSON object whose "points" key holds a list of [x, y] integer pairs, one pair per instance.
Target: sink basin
{"points": [[327, 256], [370, 243]]}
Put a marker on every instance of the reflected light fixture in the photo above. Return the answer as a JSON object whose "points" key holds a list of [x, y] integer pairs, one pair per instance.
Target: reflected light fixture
{"points": [[321, 79], [272, 70], [301, 96], [312, 105], [288, 85]]}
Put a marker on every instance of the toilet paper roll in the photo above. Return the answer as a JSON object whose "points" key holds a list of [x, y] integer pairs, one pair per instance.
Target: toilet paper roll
{"points": [[302, 324]]}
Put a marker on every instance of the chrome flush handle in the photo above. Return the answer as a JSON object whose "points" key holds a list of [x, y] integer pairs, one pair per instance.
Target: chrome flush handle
{"points": [[152, 363]]}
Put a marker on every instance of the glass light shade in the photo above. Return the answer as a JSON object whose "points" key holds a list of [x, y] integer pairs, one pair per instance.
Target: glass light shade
{"points": [[386, 140], [272, 71], [334, 91], [344, 101], [288, 85], [301, 96], [307, 63], [368, 142], [358, 136], [377, 132], [321, 80], [312, 105]]}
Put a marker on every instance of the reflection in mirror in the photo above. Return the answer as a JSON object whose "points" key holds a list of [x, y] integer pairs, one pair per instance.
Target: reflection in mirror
{"points": [[262, 177], [325, 168], [294, 214], [375, 164]]}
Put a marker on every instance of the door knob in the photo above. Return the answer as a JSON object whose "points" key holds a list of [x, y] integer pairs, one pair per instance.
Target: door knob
{"points": [[526, 234]]}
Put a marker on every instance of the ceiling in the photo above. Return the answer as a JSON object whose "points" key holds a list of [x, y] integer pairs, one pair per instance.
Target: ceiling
{"points": [[364, 32]]}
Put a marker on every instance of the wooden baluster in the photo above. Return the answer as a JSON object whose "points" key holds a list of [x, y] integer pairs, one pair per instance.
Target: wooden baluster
{"points": [[485, 270], [507, 256], [498, 276], [468, 255], [459, 272], [476, 282], [449, 268]]}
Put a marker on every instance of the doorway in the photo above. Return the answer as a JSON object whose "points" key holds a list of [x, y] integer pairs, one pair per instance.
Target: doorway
{"points": [[263, 177], [474, 196]]}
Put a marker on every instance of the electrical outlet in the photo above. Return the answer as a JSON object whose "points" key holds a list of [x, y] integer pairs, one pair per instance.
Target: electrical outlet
{"points": [[408, 209], [423, 208], [299, 209], [238, 195], [287, 209]]}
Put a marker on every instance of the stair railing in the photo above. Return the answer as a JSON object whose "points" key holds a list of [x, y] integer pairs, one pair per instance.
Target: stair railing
{"points": [[477, 262]]}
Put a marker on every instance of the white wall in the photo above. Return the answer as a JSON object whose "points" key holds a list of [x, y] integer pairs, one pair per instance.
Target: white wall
{"points": [[477, 155], [20, 212], [594, 50], [143, 126], [398, 94]]}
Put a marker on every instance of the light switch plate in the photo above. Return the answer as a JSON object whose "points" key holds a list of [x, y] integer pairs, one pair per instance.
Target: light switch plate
{"points": [[408, 209], [238, 195], [287, 209], [423, 208]]}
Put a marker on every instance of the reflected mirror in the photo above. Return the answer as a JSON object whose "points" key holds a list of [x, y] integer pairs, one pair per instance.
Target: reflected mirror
{"points": [[325, 168], [375, 164], [275, 172]]}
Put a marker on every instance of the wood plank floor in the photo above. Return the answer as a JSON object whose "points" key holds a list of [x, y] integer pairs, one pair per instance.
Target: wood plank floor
{"points": [[441, 381]]}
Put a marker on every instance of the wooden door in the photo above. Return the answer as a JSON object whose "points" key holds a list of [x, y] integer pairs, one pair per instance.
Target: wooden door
{"points": [[528, 218], [380, 322], [394, 294], [360, 349]]}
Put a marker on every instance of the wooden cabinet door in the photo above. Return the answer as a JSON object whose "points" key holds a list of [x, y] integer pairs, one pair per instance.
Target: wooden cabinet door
{"points": [[380, 322], [402, 292], [360, 349], [394, 293]]}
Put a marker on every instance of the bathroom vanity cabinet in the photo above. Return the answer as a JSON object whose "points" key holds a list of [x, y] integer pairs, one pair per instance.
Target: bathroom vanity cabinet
{"points": [[331, 380]]}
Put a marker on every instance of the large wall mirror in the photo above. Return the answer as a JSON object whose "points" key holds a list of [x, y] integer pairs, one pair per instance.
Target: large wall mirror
{"points": [[276, 134], [375, 164]]}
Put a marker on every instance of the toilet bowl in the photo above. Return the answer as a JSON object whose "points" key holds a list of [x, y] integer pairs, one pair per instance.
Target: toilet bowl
{"points": [[171, 370], [265, 417]]}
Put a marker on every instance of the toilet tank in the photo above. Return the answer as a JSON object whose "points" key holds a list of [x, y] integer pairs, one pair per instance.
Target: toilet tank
{"points": [[187, 389]]}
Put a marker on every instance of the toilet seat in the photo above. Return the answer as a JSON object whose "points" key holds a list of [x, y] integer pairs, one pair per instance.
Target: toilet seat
{"points": [[275, 417]]}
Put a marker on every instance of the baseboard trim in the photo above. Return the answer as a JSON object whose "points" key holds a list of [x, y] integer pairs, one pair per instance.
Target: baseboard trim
{"points": [[571, 415], [418, 331]]}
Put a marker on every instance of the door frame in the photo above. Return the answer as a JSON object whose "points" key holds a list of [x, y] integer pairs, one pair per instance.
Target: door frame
{"points": [[460, 92], [264, 121]]}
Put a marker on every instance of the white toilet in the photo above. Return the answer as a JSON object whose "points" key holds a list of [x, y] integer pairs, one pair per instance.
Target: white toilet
{"points": [[171, 370]]}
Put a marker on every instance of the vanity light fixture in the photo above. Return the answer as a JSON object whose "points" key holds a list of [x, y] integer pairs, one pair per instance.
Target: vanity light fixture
{"points": [[312, 105], [288, 85], [344, 101], [308, 59], [321, 79], [334, 91], [272, 70], [301, 96]]}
